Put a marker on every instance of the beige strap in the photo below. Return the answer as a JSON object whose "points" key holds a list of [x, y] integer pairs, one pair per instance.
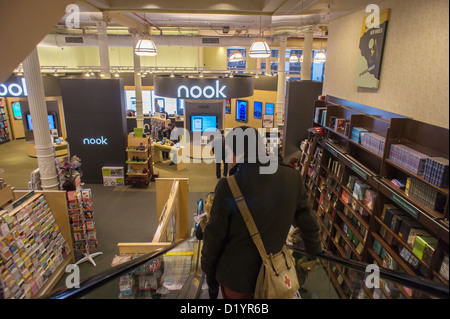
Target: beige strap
{"points": [[247, 216]]}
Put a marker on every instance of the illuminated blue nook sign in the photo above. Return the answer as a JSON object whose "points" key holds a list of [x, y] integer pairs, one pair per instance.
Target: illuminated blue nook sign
{"points": [[209, 87], [14, 86]]}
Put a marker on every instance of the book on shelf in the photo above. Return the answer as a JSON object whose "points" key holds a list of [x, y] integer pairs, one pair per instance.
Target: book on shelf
{"points": [[359, 190], [388, 261], [389, 215], [318, 115], [357, 133], [377, 247], [427, 195], [443, 269], [396, 221], [339, 125], [408, 158], [436, 171], [369, 198], [424, 247], [373, 141]]}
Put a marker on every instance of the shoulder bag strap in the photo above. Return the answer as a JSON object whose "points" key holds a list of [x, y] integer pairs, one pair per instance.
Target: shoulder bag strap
{"points": [[247, 216]]}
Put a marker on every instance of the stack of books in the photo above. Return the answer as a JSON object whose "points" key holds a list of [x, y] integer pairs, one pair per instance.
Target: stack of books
{"points": [[357, 133], [373, 142], [412, 160], [436, 171]]}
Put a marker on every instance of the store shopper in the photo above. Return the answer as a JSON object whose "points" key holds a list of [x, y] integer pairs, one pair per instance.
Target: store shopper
{"points": [[218, 149], [275, 201]]}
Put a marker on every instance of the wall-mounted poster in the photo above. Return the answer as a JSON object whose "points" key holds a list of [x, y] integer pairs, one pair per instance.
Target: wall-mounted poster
{"points": [[267, 121], [227, 106], [370, 53]]}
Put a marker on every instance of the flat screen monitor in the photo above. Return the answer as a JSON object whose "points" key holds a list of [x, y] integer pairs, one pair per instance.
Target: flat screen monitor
{"points": [[257, 110], [241, 110], [269, 108], [204, 123], [17, 111], [51, 122]]}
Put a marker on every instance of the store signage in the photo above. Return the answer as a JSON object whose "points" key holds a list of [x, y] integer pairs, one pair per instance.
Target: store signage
{"points": [[14, 87], [95, 141], [196, 92], [332, 150], [207, 88]]}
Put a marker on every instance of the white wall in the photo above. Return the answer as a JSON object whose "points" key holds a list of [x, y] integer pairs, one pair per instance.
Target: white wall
{"points": [[415, 68]]}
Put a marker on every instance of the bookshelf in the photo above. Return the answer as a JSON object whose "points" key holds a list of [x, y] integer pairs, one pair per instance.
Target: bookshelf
{"points": [[355, 181], [139, 160], [5, 132]]}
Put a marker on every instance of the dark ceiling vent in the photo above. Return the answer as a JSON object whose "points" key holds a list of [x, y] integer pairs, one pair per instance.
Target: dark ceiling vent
{"points": [[210, 40], [74, 40]]}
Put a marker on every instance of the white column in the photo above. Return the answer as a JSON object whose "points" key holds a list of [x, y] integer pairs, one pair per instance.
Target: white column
{"points": [[281, 88], [307, 55], [201, 58], [138, 85], [105, 66], [41, 130]]}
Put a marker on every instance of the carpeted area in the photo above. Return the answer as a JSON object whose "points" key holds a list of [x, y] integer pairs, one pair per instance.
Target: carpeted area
{"points": [[121, 214]]}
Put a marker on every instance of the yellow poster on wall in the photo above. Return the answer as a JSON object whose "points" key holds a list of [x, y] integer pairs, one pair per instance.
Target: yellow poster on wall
{"points": [[370, 53]]}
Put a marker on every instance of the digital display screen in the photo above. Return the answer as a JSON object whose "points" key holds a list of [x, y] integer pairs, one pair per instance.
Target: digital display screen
{"points": [[203, 123], [241, 110], [257, 110], [17, 111], [269, 108], [51, 122]]}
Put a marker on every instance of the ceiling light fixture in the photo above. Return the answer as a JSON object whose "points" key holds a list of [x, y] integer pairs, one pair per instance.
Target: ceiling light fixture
{"points": [[293, 58], [259, 49], [320, 56], [145, 46], [236, 57]]}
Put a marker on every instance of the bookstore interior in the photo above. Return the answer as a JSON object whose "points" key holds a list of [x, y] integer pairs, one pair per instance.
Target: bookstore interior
{"points": [[84, 114]]}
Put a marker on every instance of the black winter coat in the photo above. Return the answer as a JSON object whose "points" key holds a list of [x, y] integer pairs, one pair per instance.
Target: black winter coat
{"points": [[275, 201]]}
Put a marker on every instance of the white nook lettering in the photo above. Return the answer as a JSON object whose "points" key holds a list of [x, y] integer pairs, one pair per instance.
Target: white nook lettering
{"points": [[208, 92], [96, 141], [14, 89]]}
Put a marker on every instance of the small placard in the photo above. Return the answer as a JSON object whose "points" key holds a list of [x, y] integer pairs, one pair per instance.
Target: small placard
{"points": [[359, 171], [332, 150], [406, 206]]}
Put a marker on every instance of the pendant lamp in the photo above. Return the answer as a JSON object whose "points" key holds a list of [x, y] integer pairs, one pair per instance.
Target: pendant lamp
{"points": [[236, 57], [145, 46], [320, 56], [293, 58], [259, 49]]}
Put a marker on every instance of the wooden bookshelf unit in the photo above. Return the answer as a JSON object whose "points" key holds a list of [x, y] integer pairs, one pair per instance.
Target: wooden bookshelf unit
{"points": [[354, 182]]}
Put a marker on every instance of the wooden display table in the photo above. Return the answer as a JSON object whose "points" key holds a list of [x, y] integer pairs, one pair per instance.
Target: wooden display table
{"points": [[60, 149], [157, 157]]}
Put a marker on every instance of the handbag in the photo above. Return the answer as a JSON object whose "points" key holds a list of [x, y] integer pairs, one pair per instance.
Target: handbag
{"points": [[277, 278]]}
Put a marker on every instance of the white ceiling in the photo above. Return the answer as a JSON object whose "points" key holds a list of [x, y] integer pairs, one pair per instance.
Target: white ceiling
{"points": [[209, 17]]}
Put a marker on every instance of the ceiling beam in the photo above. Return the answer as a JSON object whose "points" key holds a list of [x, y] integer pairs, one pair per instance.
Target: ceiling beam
{"points": [[126, 21], [249, 13]]}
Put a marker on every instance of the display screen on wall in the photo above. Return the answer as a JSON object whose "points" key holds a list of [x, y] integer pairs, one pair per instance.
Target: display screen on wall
{"points": [[269, 108], [227, 106], [241, 110], [51, 122], [257, 110], [17, 111], [204, 123]]}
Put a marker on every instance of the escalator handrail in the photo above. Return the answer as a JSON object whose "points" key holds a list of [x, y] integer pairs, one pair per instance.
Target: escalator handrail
{"points": [[434, 288], [104, 276]]}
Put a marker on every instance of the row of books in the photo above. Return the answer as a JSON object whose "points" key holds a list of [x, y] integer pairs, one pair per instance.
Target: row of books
{"points": [[425, 194], [412, 160], [436, 171], [340, 125], [335, 168], [320, 116], [32, 248], [362, 192], [374, 142], [355, 222]]}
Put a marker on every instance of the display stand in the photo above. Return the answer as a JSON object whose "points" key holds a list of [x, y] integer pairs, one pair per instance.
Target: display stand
{"points": [[41, 268], [82, 224], [139, 161]]}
